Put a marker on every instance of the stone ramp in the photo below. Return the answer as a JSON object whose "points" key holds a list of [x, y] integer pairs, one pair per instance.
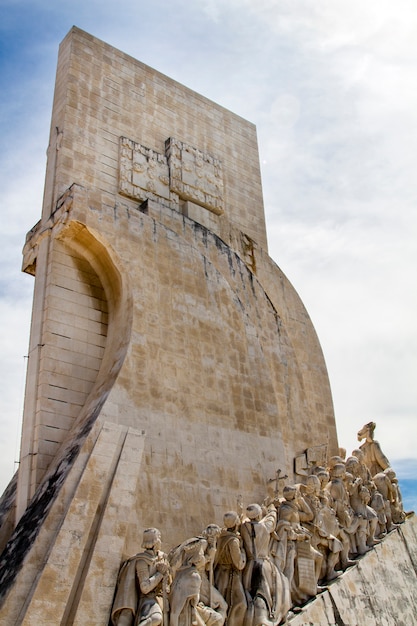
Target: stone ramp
{"points": [[60, 567]]}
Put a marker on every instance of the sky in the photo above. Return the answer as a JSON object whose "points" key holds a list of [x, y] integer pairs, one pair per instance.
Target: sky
{"points": [[332, 88]]}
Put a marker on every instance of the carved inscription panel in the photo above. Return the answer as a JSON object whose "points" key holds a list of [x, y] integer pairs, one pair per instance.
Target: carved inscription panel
{"points": [[143, 172], [184, 172], [195, 175]]}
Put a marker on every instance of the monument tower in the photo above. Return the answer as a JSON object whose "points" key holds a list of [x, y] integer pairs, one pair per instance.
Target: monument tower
{"points": [[172, 366], [156, 306]]}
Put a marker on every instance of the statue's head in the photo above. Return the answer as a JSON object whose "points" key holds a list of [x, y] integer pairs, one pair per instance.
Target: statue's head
{"points": [[358, 454], [231, 519], [312, 484], [254, 512], [349, 479], [352, 465], [193, 552], [289, 492], [338, 470], [333, 460], [151, 539], [324, 478], [211, 532], [366, 431]]}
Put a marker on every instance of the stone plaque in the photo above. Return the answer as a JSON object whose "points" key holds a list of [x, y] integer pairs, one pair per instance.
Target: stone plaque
{"points": [[307, 580], [143, 172], [195, 175]]}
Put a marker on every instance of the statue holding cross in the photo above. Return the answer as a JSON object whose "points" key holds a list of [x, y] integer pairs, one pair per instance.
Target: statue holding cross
{"points": [[275, 488]]}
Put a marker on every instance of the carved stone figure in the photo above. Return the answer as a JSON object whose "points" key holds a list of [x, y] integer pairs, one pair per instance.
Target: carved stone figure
{"points": [[324, 478], [355, 527], [210, 597], [335, 460], [324, 529], [361, 471], [302, 561], [140, 585], [184, 597], [360, 498], [397, 510], [284, 548], [229, 562], [267, 588], [192, 599], [385, 488], [374, 458], [352, 466], [378, 505]]}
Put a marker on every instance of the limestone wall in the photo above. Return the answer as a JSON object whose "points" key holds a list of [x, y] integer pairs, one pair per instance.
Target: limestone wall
{"points": [[211, 373]]}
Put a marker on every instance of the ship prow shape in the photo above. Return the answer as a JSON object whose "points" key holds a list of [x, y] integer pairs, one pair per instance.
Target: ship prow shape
{"points": [[172, 365]]}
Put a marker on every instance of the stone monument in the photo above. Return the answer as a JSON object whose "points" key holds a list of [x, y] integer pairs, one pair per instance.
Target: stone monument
{"points": [[173, 370]]}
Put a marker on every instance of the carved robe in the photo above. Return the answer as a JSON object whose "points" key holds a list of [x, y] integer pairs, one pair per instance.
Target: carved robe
{"points": [[267, 588], [374, 458], [303, 562], [229, 563], [139, 587]]}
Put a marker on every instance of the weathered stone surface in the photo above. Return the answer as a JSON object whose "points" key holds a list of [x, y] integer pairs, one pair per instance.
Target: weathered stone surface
{"points": [[72, 545], [188, 328]]}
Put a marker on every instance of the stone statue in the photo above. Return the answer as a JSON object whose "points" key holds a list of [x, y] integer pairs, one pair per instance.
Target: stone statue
{"points": [[210, 597], [250, 572], [267, 589], [324, 478], [354, 526], [360, 498], [229, 562], [385, 488], [361, 470], [140, 589], [397, 510], [374, 458], [378, 505], [324, 528], [302, 561], [191, 593], [335, 460], [184, 597]]}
